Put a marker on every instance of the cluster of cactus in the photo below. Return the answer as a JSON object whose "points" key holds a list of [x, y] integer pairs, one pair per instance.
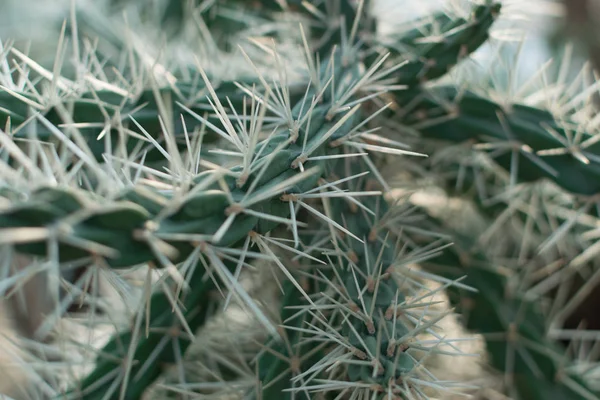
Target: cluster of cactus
{"points": [[127, 166]]}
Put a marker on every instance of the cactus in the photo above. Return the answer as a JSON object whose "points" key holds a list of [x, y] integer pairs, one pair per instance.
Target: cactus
{"points": [[187, 178], [511, 158]]}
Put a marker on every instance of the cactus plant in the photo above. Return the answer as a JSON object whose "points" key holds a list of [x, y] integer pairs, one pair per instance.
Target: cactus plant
{"points": [[170, 183]]}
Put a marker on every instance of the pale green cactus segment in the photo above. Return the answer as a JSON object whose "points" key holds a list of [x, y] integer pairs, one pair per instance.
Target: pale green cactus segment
{"points": [[370, 313], [154, 351], [278, 167], [133, 112], [512, 323], [115, 225], [325, 20], [125, 234], [393, 363], [173, 13], [438, 43], [542, 145], [286, 356], [370, 284], [388, 362], [537, 366]]}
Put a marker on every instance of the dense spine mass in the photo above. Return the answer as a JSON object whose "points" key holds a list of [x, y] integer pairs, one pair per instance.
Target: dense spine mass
{"points": [[196, 182]]}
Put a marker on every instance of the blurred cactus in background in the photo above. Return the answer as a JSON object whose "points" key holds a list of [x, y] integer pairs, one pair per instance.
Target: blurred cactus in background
{"points": [[285, 199]]}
